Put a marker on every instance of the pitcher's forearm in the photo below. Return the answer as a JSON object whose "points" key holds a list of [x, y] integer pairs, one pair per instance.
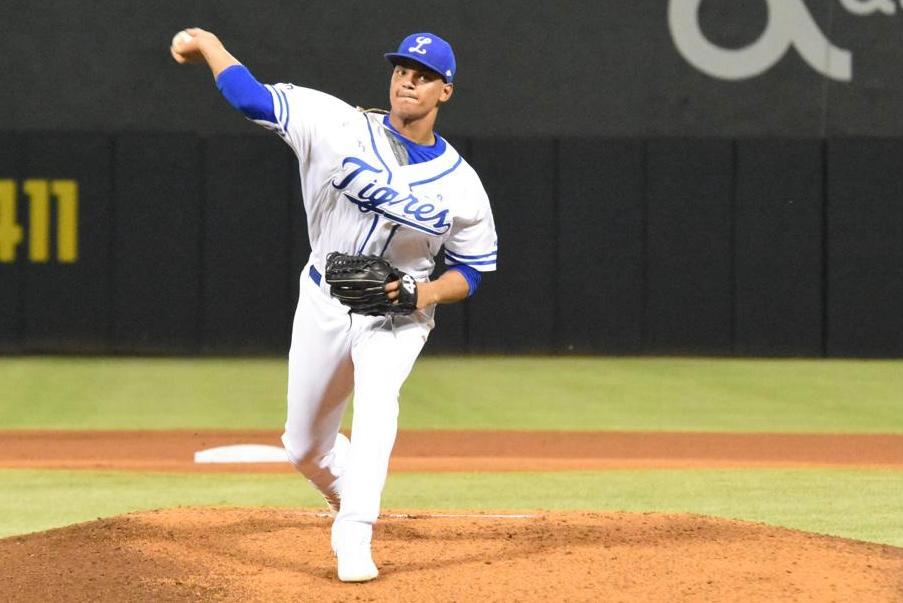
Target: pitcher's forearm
{"points": [[218, 58], [449, 288]]}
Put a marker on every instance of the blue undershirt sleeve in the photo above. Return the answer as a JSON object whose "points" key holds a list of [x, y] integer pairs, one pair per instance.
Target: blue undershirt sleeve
{"points": [[472, 275], [245, 93]]}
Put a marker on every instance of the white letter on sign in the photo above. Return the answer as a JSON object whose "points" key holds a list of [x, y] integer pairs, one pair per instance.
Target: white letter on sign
{"points": [[789, 24], [869, 7]]}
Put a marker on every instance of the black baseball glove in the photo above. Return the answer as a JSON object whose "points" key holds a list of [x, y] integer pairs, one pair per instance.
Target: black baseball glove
{"points": [[359, 281]]}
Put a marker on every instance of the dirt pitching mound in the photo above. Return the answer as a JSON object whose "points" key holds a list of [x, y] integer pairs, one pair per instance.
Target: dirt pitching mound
{"points": [[267, 555]]}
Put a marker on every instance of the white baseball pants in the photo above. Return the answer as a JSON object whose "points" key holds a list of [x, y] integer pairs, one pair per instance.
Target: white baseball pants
{"points": [[332, 353]]}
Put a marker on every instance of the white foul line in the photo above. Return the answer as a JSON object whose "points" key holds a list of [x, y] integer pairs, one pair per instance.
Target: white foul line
{"points": [[458, 516], [433, 515]]}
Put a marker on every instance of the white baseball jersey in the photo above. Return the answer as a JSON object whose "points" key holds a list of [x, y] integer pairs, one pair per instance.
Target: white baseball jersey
{"points": [[361, 198]]}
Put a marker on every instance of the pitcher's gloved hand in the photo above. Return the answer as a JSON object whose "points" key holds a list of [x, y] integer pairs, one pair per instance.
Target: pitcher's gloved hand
{"points": [[359, 282]]}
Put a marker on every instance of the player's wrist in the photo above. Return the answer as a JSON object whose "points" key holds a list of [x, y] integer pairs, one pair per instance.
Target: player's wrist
{"points": [[209, 45], [427, 294]]}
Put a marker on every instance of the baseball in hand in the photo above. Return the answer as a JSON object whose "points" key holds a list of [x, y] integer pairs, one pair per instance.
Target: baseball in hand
{"points": [[183, 37], [182, 49]]}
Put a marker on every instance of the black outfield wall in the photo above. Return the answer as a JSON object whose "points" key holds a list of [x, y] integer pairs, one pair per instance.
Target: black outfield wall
{"points": [[184, 244], [637, 68]]}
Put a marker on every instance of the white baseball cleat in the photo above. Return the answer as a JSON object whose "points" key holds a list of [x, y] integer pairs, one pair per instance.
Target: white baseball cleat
{"points": [[351, 545], [355, 563]]}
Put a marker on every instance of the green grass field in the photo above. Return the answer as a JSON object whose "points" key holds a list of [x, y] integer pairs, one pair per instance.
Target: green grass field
{"points": [[864, 505], [477, 393], [472, 393]]}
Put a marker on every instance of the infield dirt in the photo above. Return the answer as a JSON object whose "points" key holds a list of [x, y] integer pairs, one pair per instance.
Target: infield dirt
{"points": [[278, 555]]}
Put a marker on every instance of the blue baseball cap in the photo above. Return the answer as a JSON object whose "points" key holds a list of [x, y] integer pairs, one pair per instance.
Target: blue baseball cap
{"points": [[429, 50]]}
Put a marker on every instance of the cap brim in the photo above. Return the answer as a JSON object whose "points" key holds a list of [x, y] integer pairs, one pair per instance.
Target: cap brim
{"points": [[392, 57]]}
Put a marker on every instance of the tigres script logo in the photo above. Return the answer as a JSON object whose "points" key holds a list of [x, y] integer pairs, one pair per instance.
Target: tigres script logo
{"points": [[790, 24], [371, 195]]}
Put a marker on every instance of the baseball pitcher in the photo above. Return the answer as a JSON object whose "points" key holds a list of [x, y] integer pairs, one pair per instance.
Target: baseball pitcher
{"points": [[383, 194]]}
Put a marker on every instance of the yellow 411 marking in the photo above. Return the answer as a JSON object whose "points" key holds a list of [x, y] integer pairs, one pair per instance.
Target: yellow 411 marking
{"points": [[39, 193]]}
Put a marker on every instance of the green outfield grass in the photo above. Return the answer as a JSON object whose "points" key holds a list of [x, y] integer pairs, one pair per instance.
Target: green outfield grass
{"points": [[470, 393], [864, 505]]}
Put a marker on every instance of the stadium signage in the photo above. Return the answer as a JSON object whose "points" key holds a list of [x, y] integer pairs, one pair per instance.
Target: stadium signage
{"points": [[790, 24]]}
